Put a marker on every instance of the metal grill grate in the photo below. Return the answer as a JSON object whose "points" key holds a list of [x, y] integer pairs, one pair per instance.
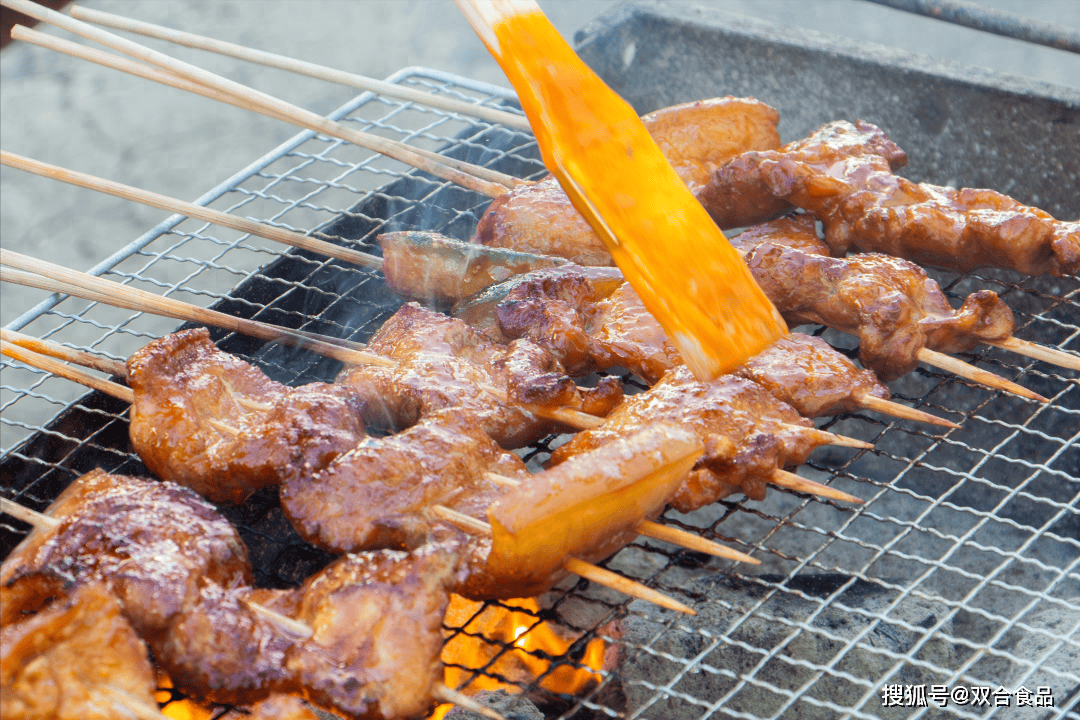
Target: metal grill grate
{"points": [[961, 569]]}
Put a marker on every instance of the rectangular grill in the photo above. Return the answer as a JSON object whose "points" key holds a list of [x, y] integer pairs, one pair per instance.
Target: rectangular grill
{"points": [[961, 569]]}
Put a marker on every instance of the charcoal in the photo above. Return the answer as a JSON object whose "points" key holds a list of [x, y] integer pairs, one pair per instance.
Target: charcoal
{"points": [[510, 706]]}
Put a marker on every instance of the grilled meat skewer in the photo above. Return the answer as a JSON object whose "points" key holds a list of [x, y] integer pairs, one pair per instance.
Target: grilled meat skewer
{"points": [[591, 320], [843, 175], [890, 304]]}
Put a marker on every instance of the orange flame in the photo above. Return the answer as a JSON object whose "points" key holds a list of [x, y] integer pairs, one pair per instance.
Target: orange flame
{"points": [[484, 634]]}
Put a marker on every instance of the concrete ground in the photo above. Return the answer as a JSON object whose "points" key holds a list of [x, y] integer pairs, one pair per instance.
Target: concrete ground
{"points": [[71, 113]]}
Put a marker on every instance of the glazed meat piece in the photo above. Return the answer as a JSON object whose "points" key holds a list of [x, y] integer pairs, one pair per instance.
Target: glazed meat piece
{"points": [[589, 318], [151, 543], [863, 205], [695, 138], [808, 374], [699, 137], [379, 494], [443, 362], [891, 305], [743, 192], [210, 421], [540, 219], [377, 621], [77, 659], [746, 432]]}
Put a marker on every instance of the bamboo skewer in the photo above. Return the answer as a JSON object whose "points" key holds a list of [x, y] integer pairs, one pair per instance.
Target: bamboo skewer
{"points": [[888, 407], [67, 372], [191, 40], [163, 202], [791, 481], [449, 695], [61, 279], [828, 438], [438, 165], [978, 375], [60, 352], [1040, 352], [41, 521], [574, 565]]}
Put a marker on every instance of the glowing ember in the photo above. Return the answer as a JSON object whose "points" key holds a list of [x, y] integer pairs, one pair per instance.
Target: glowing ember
{"points": [[179, 709], [506, 645]]}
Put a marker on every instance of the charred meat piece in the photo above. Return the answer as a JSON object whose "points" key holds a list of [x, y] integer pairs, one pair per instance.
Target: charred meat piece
{"points": [[77, 659], [379, 494], [443, 362], [695, 138], [891, 305], [377, 621], [210, 421], [843, 174], [589, 318], [746, 432]]}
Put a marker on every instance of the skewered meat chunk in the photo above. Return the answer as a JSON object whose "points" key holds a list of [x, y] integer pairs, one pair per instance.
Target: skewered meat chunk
{"points": [[212, 422], [77, 659], [377, 619], [379, 494], [695, 138], [863, 205], [443, 362], [808, 374], [699, 137], [152, 543], [891, 305], [746, 432], [743, 192]]}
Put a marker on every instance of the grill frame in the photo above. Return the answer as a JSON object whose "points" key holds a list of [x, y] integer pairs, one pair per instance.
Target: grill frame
{"points": [[770, 525]]}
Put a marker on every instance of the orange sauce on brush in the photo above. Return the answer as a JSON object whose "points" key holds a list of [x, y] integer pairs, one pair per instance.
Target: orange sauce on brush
{"points": [[687, 274]]}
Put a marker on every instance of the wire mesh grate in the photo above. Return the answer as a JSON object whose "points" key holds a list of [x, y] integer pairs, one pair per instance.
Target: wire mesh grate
{"points": [[960, 570]]}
